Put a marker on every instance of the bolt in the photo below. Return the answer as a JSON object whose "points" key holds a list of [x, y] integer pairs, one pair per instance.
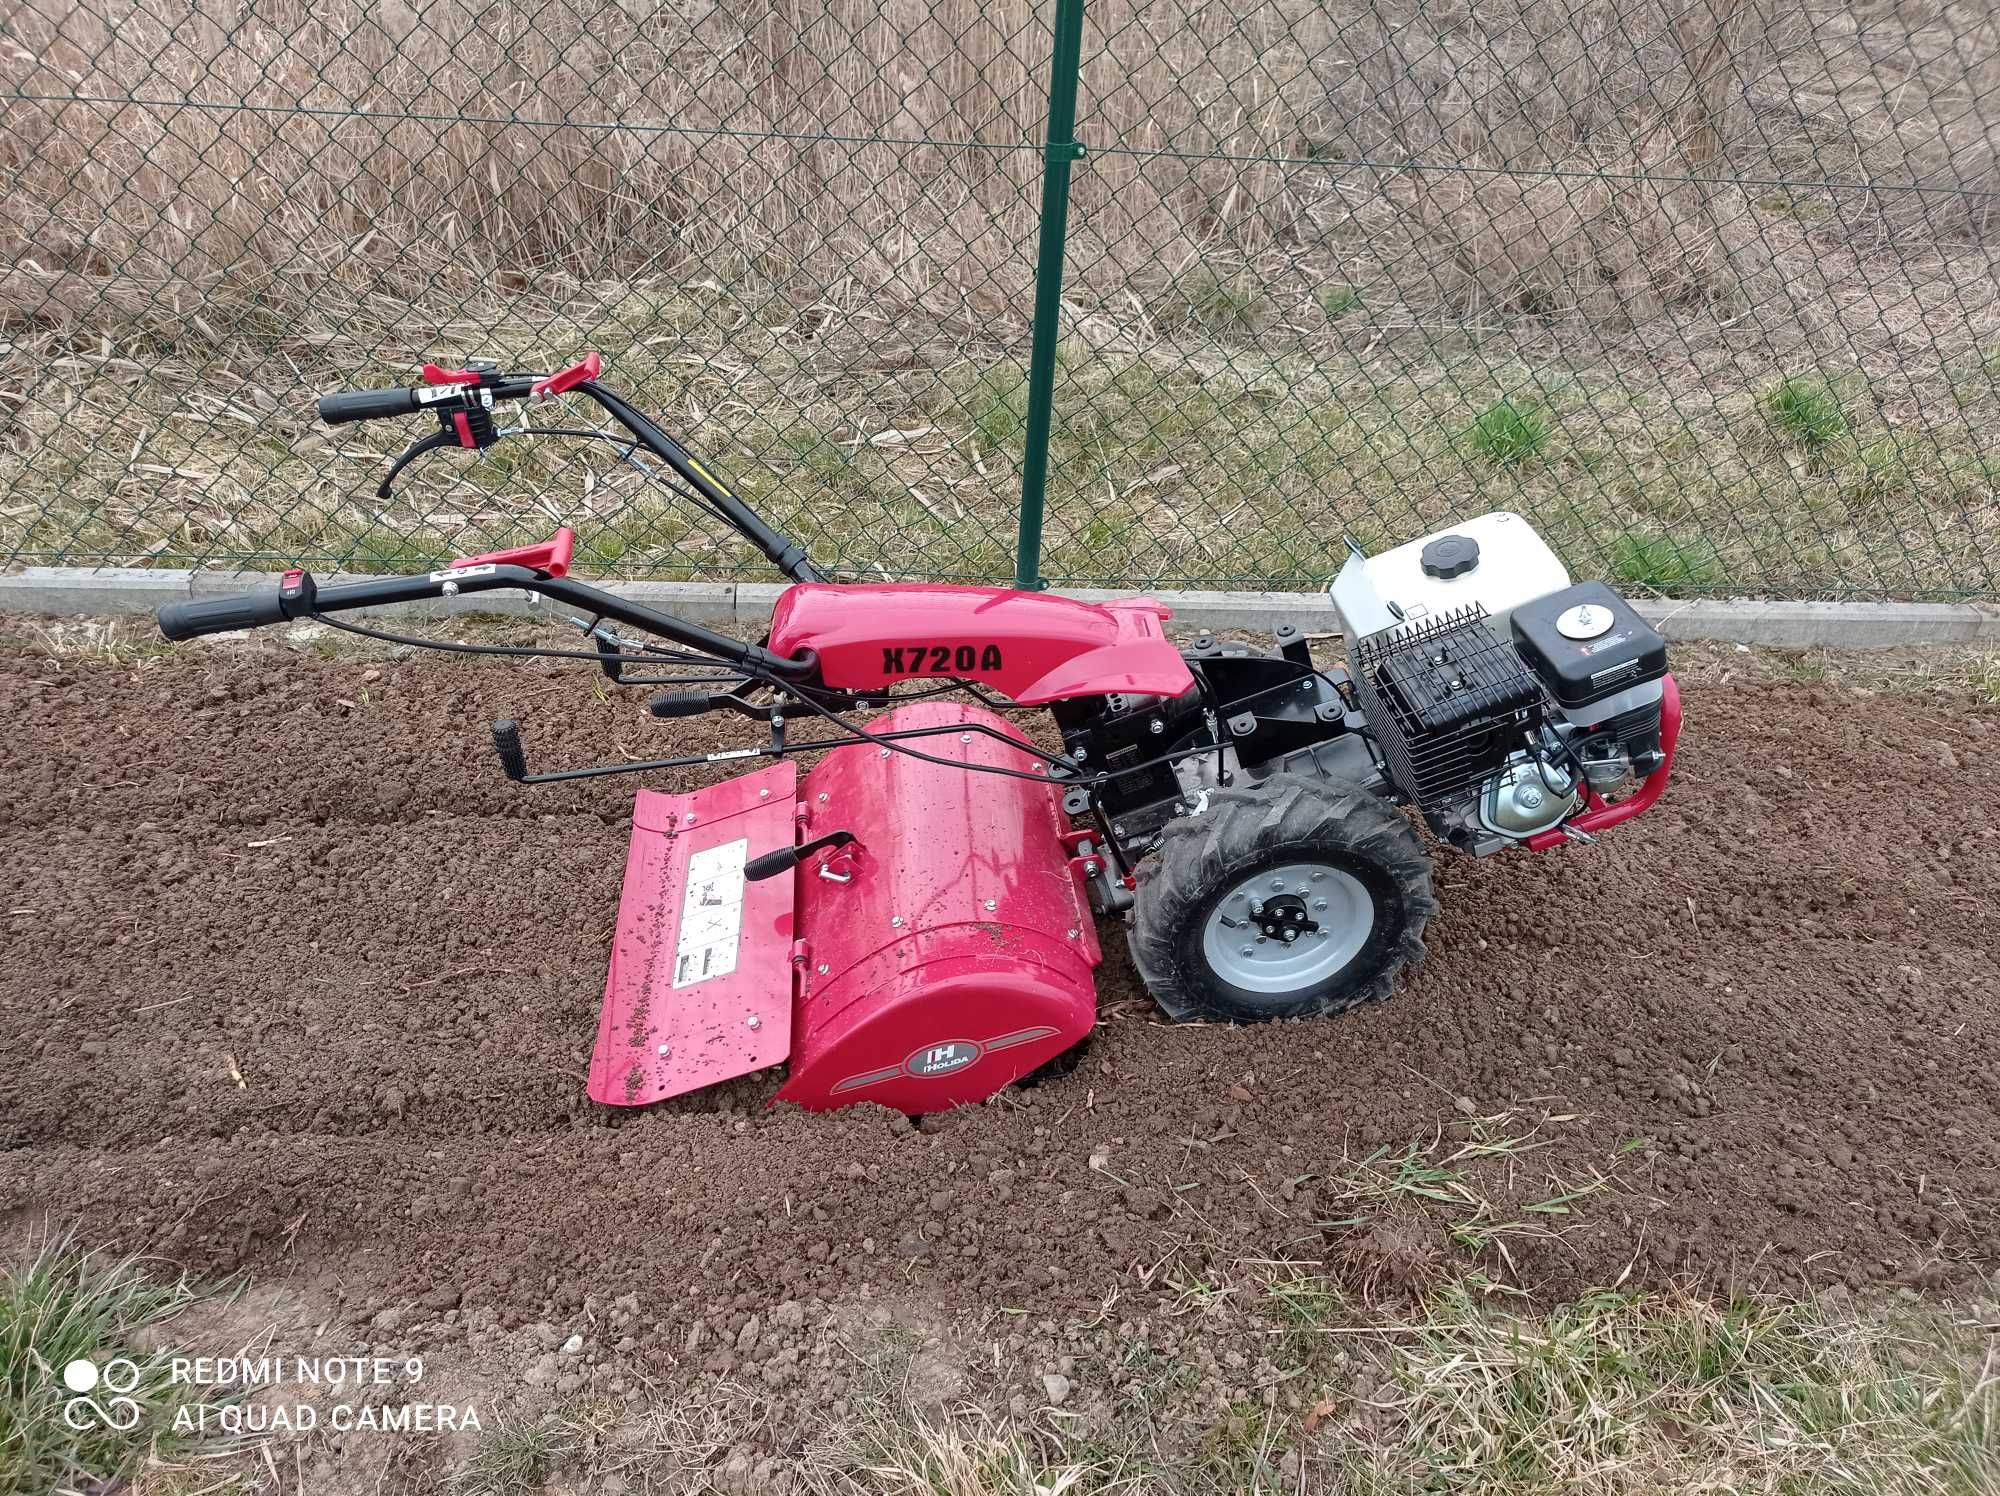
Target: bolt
{"points": [[1278, 884], [1246, 950], [1319, 875], [1297, 915], [991, 905], [690, 820], [450, 589], [1260, 940], [1290, 936], [1081, 754], [763, 794], [822, 797], [1256, 906], [1117, 829], [1157, 726], [1090, 868], [1320, 934], [822, 968], [753, 1021], [1319, 904], [884, 753], [965, 737], [665, 1050], [896, 921], [1072, 934]]}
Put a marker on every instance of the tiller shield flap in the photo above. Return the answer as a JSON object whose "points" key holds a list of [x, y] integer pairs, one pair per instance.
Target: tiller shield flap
{"points": [[700, 987]]}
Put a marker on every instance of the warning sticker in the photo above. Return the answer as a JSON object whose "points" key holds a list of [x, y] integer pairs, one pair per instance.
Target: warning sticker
{"points": [[711, 913]]}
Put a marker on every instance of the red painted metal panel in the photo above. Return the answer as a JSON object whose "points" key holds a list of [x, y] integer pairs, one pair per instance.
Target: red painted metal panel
{"points": [[700, 987], [1034, 646], [958, 954]]}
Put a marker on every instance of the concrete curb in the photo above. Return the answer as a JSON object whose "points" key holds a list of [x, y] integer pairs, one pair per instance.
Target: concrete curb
{"points": [[75, 590]]}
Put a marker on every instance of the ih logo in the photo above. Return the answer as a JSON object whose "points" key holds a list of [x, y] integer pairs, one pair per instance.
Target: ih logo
{"points": [[118, 1377], [942, 1059]]}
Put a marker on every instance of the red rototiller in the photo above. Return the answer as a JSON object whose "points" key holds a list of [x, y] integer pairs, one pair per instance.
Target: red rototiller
{"points": [[912, 920]]}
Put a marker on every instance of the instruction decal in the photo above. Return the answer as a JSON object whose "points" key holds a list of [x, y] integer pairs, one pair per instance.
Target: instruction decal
{"points": [[711, 913]]}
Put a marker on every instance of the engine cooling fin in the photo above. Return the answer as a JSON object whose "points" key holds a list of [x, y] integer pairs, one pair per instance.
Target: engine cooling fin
{"points": [[1448, 700]]}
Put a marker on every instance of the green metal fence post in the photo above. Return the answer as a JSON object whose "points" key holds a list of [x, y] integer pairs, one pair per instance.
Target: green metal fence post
{"points": [[1058, 152]]}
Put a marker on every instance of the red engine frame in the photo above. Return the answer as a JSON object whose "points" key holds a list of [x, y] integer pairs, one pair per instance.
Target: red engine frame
{"points": [[1600, 815], [1035, 646]]}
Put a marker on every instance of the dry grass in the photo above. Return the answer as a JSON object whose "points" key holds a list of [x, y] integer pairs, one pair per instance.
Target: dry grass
{"points": [[1454, 1390], [1618, 1393], [1310, 244], [1607, 1395]]}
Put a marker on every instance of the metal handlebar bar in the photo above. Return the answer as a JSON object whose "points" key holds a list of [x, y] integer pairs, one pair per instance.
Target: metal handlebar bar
{"points": [[298, 597]]}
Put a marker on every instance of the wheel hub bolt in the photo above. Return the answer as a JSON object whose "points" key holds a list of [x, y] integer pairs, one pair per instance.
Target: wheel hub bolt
{"points": [[1290, 936], [1319, 904], [1278, 885]]}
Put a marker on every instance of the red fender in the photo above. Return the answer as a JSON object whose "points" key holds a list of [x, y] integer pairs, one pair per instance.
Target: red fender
{"points": [[1034, 646]]}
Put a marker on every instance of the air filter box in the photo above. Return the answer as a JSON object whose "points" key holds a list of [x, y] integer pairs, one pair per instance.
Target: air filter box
{"points": [[1595, 654]]}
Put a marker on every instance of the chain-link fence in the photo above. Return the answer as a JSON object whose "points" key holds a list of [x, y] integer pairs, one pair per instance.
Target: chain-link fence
{"points": [[1707, 290]]}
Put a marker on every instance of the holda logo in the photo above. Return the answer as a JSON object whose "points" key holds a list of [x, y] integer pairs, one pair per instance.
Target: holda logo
{"points": [[117, 1378]]}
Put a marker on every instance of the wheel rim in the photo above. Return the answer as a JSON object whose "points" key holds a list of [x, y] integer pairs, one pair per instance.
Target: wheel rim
{"points": [[1332, 910]]}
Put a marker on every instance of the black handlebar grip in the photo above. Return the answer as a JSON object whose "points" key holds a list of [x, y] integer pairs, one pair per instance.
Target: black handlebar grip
{"points": [[366, 405], [772, 863], [507, 743], [221, 615], [681, 703]]}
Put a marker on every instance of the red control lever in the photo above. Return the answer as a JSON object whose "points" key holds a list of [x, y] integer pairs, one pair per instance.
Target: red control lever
{"points": [[551, 558], [434, 374], [588, 367]]}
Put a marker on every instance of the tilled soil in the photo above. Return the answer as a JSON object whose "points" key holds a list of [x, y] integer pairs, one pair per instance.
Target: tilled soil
{"points": [[297, 982]]}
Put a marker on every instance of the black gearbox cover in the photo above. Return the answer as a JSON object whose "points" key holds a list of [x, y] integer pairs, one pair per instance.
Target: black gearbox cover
{"points": [[1580, 671]]}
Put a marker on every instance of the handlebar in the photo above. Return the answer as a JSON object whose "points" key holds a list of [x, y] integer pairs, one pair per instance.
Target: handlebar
{"points": [[342, 406], [298, 596], [220, 615], [447, 391]]}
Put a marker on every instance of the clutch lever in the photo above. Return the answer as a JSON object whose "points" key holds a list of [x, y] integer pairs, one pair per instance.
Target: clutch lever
{"points": [[415, 450]]}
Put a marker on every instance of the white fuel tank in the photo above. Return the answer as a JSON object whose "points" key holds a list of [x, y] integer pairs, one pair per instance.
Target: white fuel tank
{"points": [[1496, 560]]}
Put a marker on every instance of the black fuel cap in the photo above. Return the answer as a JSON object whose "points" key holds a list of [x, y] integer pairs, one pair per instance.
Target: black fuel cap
{"points": [[1450, 556]]}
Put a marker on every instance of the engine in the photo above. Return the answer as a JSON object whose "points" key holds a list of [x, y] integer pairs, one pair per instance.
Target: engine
{"points": [[1482, 687], [1499, 703]]}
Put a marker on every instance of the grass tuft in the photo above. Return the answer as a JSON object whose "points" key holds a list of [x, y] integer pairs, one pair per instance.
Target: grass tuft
{"points": [[1664, 563], [65, 1306], [1220, 304], [1986, 679], [515, 1459], [1509, 433], [1338, 301], [1807, 413]]}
